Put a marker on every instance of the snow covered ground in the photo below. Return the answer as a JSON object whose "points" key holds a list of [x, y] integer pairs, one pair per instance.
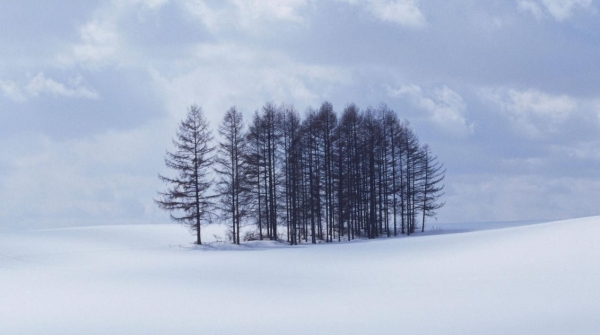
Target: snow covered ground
{"points": [[148, 279]]}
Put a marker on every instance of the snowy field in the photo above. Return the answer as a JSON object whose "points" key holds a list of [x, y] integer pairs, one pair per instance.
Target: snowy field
{"points": [[528, 278]]}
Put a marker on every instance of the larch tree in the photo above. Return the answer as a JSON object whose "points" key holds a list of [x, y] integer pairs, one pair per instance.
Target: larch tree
{"points": [[323, 178], [292, 173], [310, 146], [327, 121], [345, 174], [254, 159], [231, 168], [433, 174], [412, 176], [264, 139], [186, 197], [271, 125]]}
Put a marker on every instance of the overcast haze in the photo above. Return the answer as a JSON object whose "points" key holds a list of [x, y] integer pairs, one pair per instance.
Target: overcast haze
{"points": [[506, 93]]}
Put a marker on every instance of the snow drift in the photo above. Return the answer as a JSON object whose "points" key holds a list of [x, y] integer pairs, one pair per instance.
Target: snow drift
{"points": [[148, 279]]}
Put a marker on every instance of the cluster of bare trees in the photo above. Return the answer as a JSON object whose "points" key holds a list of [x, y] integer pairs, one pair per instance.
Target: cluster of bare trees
{"points": [[318, 179]]}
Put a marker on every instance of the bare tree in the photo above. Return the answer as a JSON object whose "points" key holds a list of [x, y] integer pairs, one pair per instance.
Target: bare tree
{"points": [[318, 177], [265, 141], [433, 173], [327, 122], [292, 171], [187, 193], [232, 185], [254, 159]]}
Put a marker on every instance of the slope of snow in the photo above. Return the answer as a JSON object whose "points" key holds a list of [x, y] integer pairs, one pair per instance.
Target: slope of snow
{"points": [[148, 279]]}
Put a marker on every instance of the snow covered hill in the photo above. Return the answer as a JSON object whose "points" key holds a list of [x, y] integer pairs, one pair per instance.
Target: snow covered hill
{"points": [[147, 279]]}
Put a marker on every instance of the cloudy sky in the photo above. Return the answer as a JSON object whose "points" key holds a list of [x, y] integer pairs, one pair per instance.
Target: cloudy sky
{"points": [[506, 93]]}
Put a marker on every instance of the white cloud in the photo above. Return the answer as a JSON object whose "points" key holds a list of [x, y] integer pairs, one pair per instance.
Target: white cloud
{"points": [[11, 90], [563, 9], [402, 12], [42, 85], [228, 74], [150, 4], [211, 18], [560, 10], [99, 42], [589, 150], [110, 177], [497, 197], [285, 10], [446, 108], [532, 7], [250, 16], [532, 112]]}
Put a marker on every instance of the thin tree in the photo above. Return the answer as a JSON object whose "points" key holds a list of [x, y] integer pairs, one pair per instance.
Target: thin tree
{"points": [[232, 185], [187, 193], [255, 159], [291, 145], [312, 195], [412, 177], [433, 175], [372, 135], [327, 121]]}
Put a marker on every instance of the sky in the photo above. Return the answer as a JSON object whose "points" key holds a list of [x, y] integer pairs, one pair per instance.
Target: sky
{"points": [[505, 92]]}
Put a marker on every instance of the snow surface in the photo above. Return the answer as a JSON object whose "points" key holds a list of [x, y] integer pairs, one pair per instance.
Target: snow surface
{"points": [[148, 279]]}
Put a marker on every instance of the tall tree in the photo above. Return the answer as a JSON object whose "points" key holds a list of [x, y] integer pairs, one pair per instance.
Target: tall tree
{"points": [[433, 174], [373, 138], [412, 163], [327, 122], [346, 173], [291, 146], [394, 143], [264, 137], [187, 193], [255, 160], [232, 185], [310, 146]]}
